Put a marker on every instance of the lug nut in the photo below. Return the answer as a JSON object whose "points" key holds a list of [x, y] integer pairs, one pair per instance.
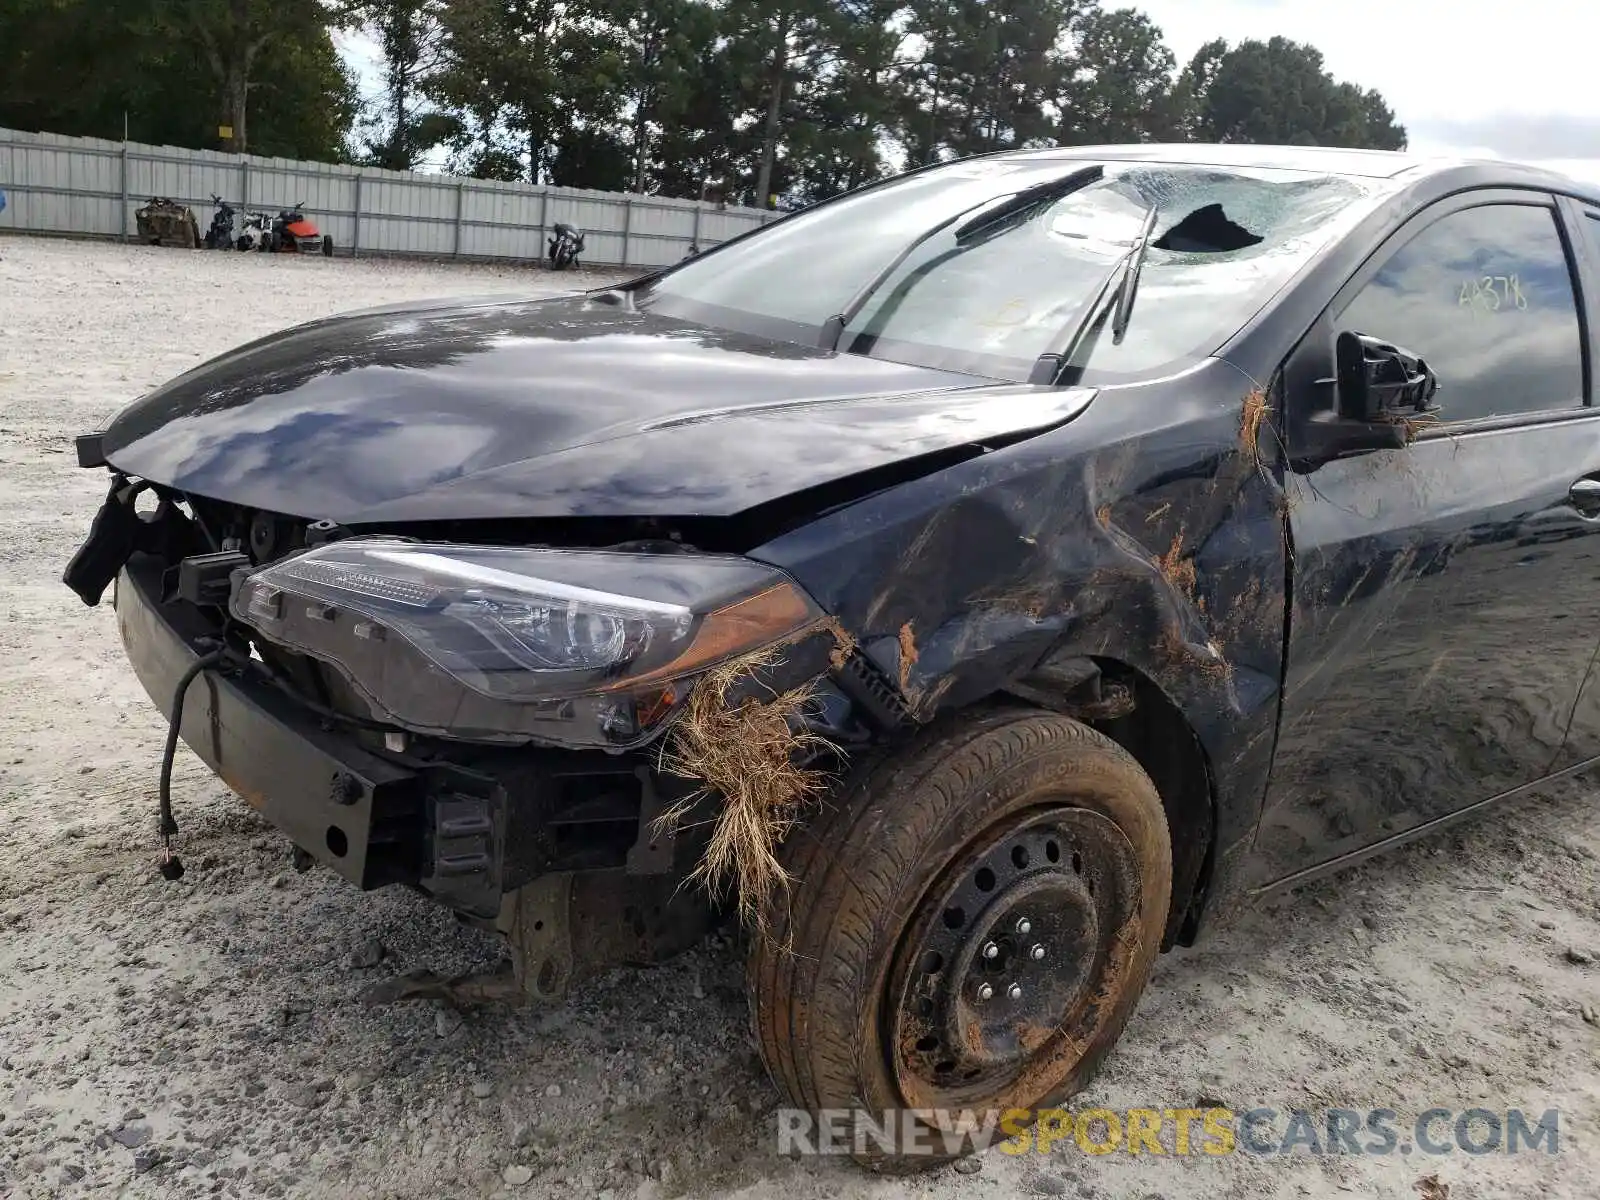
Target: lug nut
{"points": [[985, 991], [1024, 925], [1014, 991], [1036, 953], [990, 950]]}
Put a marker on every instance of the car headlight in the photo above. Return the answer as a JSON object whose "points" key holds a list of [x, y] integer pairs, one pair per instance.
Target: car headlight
{"points": [[578, 647]]}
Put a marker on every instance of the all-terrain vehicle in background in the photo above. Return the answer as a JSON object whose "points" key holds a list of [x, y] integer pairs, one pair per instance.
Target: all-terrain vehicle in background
{"points": [[164, 222], [293, 232], [989, 573], [566, 243]]}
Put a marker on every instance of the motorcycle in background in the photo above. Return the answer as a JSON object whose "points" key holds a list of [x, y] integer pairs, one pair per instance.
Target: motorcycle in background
{"points": [[565, 246], [290, 230], [220, 235], [257, 234]]}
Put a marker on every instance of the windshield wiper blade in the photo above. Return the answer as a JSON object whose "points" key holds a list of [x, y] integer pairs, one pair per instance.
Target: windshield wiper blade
{"points": [[1051, 189], [1030, 197], [1130, 279], [1123, 275]]}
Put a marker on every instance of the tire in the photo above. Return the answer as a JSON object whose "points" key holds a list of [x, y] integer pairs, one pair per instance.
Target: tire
{"points": [[841, 987], [327, 246]]}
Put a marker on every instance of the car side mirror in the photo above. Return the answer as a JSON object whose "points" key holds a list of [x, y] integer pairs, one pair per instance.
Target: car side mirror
{"points": [[1381, 390], [1378, 381]]}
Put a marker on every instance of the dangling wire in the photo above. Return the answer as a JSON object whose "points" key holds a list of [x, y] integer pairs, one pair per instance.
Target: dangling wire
{"points": [[171, 867]]}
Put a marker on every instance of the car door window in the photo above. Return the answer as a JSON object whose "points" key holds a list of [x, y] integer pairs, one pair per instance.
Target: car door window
{"points": [[1485, 296]]}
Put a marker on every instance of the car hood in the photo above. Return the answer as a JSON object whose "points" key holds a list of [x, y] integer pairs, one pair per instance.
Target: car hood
{"points": [[566, 407]]}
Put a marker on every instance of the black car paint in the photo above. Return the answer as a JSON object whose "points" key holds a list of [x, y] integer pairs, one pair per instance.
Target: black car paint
{"points": [[1138, 533], [1091, 525], [565, 407], [1150, 530], [1438, 654]]}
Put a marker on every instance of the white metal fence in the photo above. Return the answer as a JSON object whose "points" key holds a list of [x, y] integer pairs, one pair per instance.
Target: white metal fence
{"points": [[92, 187]]}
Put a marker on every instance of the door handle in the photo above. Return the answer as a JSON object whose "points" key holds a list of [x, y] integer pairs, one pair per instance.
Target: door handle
{"points": [[1585, 496]]}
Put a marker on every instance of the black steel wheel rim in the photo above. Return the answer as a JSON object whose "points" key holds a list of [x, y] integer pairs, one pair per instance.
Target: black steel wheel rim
{"points": [[1002, 977]]}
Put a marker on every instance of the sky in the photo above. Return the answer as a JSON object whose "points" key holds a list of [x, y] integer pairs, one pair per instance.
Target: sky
{"points": [[1472, 78]]}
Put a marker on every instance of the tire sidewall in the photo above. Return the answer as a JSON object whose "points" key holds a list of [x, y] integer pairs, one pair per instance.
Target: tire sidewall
{"points": [[1091, 773]]}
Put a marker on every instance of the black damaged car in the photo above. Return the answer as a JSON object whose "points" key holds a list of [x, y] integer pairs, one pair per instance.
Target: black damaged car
{"points": [[992, 572]]}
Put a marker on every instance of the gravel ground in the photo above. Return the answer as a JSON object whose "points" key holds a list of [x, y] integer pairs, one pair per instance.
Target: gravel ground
{"points": [[206, 1037]]}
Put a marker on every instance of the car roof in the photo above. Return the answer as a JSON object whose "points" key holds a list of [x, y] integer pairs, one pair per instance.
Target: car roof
{"points": [[1334, 160], [1375, 164]]}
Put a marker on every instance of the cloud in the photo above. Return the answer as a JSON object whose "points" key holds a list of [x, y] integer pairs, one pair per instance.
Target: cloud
{"points": [[1522, 136], [1585, 170], [1459, 77]]}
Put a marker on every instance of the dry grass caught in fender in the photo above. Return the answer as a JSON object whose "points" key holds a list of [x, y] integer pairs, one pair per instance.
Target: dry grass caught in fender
{"points": [[747, 755], [1255, 414]]}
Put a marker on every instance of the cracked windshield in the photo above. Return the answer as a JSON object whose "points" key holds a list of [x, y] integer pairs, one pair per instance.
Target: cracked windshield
{"points": [[988, 288]]}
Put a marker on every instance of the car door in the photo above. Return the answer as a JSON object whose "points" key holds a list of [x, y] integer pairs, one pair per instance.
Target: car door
{"points": [[1582, 744], [1444, 607]]}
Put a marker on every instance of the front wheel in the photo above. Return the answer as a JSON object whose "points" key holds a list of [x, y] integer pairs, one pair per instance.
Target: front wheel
{"points": [[971, 925], [327, 246]]}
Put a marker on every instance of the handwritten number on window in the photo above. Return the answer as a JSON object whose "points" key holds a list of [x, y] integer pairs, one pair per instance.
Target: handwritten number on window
{"points": [[1491, 294]]}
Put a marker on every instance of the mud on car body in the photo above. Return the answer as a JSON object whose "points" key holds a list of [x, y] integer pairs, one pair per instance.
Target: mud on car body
{"points": [[993, 571]]}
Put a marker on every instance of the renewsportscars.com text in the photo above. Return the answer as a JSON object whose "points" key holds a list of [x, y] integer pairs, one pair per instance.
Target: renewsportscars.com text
{"points": [[1180, 1132]]}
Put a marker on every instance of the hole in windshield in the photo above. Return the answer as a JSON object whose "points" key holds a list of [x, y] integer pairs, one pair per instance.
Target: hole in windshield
{"points": [[1207, 230]]}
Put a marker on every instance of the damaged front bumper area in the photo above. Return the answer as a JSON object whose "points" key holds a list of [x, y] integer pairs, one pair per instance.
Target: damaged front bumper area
{"points": [[555, 849], [360, 693], [355, 812]]}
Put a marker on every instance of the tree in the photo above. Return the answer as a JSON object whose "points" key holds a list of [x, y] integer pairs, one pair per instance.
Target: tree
{"points": [[699, 152], [591, 156], [774, 45], [1121, 87], [1194, 83], [739, 99], [990, 75], [520, 76], [863, 94], [304, 102], [411, 35], [48, 40], [1278, 92], [141, 62], [839, 100], [232, 35], [656, 52]]}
